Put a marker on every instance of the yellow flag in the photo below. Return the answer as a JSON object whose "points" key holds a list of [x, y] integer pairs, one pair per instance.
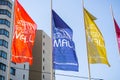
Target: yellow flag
{"points": [[94, 40]]}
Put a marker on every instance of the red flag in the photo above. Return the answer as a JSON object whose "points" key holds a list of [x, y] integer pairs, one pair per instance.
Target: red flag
{"points": [[117, 33], [23, 35]]}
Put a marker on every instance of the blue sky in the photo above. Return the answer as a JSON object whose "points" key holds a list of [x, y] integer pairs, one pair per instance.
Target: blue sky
{"points": [[71, 12]]}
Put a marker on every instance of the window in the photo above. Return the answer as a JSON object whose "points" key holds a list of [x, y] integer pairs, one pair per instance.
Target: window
{"points": [[43, 43], [2, 66], [5, 2], [3, 43], [2, 77], [43, 67], [4, 32], [23, 76], [43, 51], [43, 59], [3, 54], [43, 36], [5, 22], [24, 66], [12, 71], [43, 76], [5, 12]]}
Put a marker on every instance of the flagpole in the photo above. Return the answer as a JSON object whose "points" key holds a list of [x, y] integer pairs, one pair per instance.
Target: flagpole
{"points": [[53, 72], [10, 54], [114, 26], [89, 73]]}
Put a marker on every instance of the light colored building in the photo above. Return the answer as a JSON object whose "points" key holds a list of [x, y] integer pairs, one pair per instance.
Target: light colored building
{"points": [[41, 69], [17, 71]]}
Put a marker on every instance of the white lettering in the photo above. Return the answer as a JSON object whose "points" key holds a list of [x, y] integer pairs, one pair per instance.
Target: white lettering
{"points": [[22, 37], [30, 38], [57, 43], [98, 42], [17, 35], [27, 25], [24, 31], [62, 43]]}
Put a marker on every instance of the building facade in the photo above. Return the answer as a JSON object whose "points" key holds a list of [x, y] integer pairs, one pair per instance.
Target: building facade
{"points": [[41, 69], [16, 71]]}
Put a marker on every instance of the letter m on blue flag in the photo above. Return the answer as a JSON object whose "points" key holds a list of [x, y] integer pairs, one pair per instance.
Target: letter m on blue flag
{"points": [[64, 55]]}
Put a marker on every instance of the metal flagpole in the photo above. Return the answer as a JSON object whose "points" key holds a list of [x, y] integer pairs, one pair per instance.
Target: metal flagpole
{"points": [[114, 25], [53, 72], [89, 73]]}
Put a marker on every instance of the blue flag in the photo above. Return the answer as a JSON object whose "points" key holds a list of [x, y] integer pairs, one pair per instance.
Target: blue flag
{"points": [[64, 55]]}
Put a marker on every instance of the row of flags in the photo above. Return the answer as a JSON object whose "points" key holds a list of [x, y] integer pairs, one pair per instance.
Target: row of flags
{"points": [[64, 54]]}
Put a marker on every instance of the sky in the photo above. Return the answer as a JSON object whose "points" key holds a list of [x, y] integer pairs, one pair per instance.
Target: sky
{"points": [[71, 12]]}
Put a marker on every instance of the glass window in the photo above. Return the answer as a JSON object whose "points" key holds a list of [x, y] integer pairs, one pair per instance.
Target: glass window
{"points": [[24, 66], [43, 59], [5, 22], [5, 12], [43, 76], [43, 67], [12, 71], [43, 51], [23, 76], [4, 32], [3, 54], [2, 77], [2, 66], [43, 43], [5, 2], [3, 43], [0, 42], [43, 36]]}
